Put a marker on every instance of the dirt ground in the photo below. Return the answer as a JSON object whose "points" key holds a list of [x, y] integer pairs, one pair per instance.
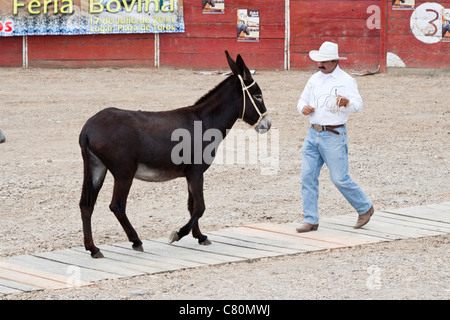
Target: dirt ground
{"points": [[398, 151]]}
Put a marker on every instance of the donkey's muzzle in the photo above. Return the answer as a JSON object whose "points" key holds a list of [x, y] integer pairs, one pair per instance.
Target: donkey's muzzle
{"points": [[264, 125]]}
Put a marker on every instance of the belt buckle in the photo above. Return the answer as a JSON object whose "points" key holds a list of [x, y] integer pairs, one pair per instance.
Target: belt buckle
{"points": [[318, 127]]}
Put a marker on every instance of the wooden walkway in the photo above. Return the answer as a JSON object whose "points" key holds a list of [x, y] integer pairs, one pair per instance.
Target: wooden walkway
{"points": [[74, 267]]}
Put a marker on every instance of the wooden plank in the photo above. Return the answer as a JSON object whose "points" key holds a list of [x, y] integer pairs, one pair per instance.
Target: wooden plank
{"points": [[161, 247], [230, 251], [141, 265], [36, 272], [225, 252], [343, 227], [41, 263], [350, 231], [150, 263], [300, 244], [51, 270], [15, 287], [404, 228], [246, 234], [4, 290], [29, 279], [394, 230], [163, 263], [225, 236], [426, 213], [445, 206], [346, 225], [164, 256], [114, 269], [325, 237], [33, 277], [341, 230], [416, 222]]}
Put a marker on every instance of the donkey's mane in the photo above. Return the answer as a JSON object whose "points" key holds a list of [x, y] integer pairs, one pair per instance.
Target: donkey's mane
{"points": [[212, 92]]}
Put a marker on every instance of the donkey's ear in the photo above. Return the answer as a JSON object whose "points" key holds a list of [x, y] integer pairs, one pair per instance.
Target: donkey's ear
{"points": [[232, 64], [243, 70]]}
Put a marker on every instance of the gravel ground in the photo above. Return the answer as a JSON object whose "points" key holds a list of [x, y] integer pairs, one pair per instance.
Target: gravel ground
{"points": [[398, 150]]}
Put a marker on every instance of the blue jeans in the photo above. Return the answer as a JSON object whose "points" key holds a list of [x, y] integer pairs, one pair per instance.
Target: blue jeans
{"points": [[331, 149]]}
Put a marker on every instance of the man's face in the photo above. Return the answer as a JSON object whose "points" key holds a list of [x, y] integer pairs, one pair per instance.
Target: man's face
{"points": [[327, 66]]}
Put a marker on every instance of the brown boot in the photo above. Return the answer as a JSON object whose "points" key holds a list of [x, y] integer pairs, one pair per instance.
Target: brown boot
{"points": [[364, 218], [306, 227]]}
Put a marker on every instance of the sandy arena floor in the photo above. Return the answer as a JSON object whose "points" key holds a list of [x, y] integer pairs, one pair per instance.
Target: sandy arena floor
{"points": [[399, 155]]}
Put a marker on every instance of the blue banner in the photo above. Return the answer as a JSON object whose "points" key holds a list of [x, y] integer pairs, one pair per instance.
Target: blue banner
{"points": [[72, 17]]}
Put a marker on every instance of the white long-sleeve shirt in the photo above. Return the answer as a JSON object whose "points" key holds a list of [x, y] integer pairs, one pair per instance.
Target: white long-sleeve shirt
{"points": [[320, 92]]}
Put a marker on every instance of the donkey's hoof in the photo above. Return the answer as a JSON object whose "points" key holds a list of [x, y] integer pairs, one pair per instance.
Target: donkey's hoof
{"points": [[139, 248], [205, 242], [174, 237], [97, 255]]}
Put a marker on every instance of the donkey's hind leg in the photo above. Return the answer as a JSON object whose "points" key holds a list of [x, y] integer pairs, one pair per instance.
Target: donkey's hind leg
{"points": [[94, 175], [118, 206], [86, 214]]}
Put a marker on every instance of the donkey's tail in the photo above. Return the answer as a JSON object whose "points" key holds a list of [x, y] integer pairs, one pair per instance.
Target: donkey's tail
{"points": [[94, 173], [87, 199]]}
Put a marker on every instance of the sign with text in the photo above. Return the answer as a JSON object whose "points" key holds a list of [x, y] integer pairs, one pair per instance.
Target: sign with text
{"points": [[71, 17]]}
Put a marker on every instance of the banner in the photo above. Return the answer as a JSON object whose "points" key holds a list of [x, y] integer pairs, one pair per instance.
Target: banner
{"points": [[71, 17]]}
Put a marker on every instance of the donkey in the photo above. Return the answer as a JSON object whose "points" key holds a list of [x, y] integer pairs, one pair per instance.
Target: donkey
{"points": [[139, 144]]}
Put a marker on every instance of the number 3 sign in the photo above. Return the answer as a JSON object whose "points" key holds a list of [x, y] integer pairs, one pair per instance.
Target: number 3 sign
{"points": [[426, 22]]}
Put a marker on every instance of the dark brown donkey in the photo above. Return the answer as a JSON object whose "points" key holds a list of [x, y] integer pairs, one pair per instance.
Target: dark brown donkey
{"points": [[147, 146]]}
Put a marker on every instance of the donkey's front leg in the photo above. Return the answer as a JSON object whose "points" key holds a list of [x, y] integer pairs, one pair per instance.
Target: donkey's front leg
{"points": [[196, 233], [196, 206]]}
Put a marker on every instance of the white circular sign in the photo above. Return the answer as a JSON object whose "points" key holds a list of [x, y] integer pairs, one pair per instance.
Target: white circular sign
{"points": [[426, 22]]}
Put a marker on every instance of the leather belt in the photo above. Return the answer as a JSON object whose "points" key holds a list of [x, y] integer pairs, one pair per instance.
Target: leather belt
{"points": [[319, 128]]}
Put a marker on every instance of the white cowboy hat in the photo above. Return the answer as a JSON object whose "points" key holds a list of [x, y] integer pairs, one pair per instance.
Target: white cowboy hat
{"points": [[328, 51]]}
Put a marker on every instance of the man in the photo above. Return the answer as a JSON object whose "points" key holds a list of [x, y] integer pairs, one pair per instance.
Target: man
{"points": [[328, 98], [2, 137]]}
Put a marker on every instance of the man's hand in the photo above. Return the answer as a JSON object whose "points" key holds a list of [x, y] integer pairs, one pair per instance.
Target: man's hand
{"points": [[307, 110], [343, 102]]}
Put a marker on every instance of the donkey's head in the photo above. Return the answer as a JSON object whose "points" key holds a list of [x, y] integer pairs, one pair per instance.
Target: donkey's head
{"points": [[253, 111]]}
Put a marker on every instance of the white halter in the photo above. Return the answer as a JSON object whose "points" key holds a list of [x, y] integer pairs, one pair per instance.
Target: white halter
{"points": [[244, 90]]}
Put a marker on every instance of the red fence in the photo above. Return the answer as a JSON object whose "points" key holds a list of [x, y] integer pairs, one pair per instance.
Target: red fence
{"points": [[11, 52], [207, 36], [404, 42], [343, 22], [366, 30], [118, 50]]}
